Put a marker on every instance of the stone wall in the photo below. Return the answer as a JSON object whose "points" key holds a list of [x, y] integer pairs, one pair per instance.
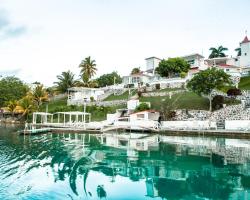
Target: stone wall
{"points": [[162, 94]]}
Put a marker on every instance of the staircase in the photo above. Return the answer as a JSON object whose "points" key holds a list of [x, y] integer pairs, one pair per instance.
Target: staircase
{"points": [[220, 124]]}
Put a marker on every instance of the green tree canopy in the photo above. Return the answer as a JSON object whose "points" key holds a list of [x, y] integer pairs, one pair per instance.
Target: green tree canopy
{"points": [[167, 68], [204, 82], [109, 79], [11, 88], [65, 81], [136, 70], [217, 52]]}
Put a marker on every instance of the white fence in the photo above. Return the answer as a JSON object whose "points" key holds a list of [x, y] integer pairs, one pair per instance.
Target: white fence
{"points": [[188, 125], [237, 124]]}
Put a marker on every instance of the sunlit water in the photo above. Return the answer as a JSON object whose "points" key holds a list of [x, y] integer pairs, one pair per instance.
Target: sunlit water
{"points": [[122, 166]]}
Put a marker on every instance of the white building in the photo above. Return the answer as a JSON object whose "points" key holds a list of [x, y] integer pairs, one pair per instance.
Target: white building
{"points": [[244, 59], [79, 95], [196, 61], [136, 80], [151, 64]]}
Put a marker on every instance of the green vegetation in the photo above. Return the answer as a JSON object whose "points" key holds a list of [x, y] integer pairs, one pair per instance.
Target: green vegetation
{"points": [[11, 89], [208, 80], [218, 52], [136, 70], [142, 107], [172, 66], [88, 69], [98, 113], [109, 79], [186, 100], [65, 81], [244, 83], [113, 97]]}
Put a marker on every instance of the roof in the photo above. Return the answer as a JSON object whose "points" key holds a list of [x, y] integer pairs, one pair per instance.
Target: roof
{"points": [[193, 55], [43, 113], [149, 111], [152, 57], [73, 113], [228, 66], [246, 40]]}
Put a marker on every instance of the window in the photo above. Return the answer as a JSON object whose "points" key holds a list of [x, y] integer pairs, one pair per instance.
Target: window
{"points": [[135, 79], [245, 54], [140, 116], [191, 62], [227, 70]]}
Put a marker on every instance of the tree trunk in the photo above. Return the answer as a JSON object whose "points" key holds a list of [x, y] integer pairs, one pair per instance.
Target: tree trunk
{"points": [[210, 102]]}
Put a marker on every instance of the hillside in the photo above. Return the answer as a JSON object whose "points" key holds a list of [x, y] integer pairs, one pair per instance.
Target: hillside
{"points": [[244, 83]]}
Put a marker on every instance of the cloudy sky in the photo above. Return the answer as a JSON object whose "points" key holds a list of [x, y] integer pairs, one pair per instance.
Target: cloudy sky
{"points": [[41, 38]]}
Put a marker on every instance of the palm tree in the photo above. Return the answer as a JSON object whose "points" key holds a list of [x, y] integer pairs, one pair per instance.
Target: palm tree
{"points": [[11, 106], [238, 50], [39, 95], [88, 69], [25, 106], [65, 81], [219, 52]]}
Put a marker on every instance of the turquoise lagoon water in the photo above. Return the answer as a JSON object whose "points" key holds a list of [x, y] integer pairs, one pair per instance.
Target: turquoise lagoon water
{"points": [[122, 166]]}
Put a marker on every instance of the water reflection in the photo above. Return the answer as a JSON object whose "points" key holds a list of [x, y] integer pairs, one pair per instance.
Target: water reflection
{"points": [[123, 166]]}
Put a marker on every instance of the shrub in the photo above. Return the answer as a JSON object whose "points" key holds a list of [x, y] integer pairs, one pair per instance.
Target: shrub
{"points": [[142, 107], [92, 99], [183, 74], [233, 92], [217, 102]]}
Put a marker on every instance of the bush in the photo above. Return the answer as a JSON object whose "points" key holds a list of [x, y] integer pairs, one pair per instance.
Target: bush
{"points": [[217, 102], [142, 107], [183, 74], [92, 99], [233, 92]]}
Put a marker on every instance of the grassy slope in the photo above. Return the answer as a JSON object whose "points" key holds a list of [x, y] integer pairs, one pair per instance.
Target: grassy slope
{"points": [[113, 97], [245, 83], [186, 100]]}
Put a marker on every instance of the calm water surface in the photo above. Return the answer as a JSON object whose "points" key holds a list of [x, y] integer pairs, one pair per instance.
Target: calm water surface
{"points": [[122, 166]]}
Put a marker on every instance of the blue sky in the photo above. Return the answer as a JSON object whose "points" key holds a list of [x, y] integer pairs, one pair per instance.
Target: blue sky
{"points": [[40, 39]]}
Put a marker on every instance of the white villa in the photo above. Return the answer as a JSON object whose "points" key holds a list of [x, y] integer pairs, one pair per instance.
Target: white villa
{"points": [[235, 66], [79, 95]]}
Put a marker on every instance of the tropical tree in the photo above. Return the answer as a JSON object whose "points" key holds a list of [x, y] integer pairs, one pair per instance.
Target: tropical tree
{"points": [[11, 106], [172, 66], [88, 69], [65, 81], [217, 52], [136, 70], [26, 106], [238, 50], [11, 88], [204, 82], [38, 95], [109, 79]]}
